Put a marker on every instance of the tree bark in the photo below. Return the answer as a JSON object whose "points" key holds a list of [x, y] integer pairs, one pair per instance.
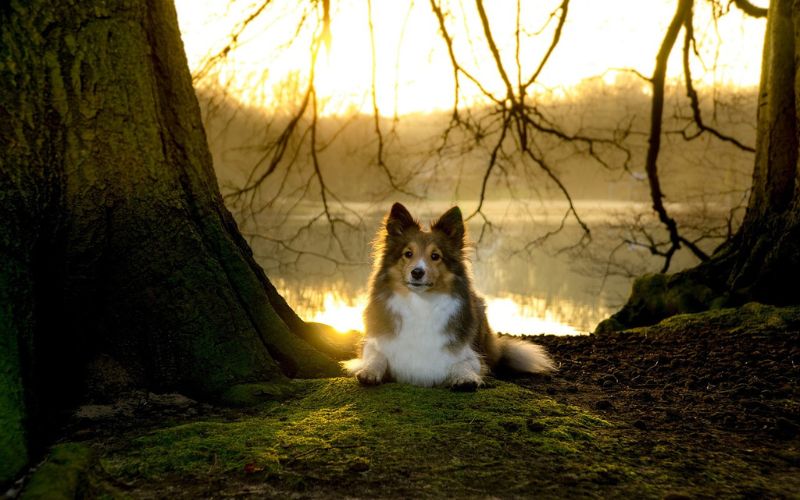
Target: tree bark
{"points": [[115, 247], [765, 257], [762, 261]]}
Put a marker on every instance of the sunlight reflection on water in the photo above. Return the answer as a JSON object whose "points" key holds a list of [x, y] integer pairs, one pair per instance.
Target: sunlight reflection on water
{"points": [[512, 314], [339, 312], [528, 292]]}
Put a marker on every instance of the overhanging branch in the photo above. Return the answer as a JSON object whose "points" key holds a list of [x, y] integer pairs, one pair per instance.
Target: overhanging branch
{"points": [[683, 11], [750, 9], [694, 100]]}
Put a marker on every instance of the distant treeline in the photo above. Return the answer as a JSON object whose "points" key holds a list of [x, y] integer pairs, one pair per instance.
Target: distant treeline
{"points": [[414, 151]]}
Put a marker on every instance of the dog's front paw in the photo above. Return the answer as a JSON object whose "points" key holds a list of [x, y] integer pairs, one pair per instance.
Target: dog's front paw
{"points": [[469, 386], [368, 377], [467, 382]]}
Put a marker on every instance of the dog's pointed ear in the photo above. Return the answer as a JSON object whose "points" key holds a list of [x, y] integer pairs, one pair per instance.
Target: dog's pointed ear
{"points": [[451, 223], [398, 220]]}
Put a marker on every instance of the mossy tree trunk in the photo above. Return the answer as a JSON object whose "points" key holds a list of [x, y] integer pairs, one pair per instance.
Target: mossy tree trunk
{"points": [[764, 258], [116, 252], [762, 261]]}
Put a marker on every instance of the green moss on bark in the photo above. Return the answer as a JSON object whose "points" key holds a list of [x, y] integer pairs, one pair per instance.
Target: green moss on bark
{"points": [[658, 296], [152, 270], [108, 194], [255, 394], [13, 445], [63, 475], [752, 317]]}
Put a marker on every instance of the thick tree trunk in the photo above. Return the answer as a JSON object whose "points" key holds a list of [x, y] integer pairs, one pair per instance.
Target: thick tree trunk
{"points": [[762, 261], [765, 256], [116, 251]]}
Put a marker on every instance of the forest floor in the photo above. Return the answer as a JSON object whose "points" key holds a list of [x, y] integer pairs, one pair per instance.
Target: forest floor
{"points": [[699, 406]]}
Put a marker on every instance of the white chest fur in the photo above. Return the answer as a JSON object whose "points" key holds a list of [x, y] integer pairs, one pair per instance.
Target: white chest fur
{"points": [[419, 352]]}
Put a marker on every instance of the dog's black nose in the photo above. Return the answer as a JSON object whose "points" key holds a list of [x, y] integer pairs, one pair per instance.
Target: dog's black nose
{"points": [[417, 273]]}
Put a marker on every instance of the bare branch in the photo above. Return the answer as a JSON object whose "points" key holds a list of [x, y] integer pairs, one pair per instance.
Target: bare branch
{"points": [[581, 243], [376, 112], [545, 126], [694, 101], [490, 167], [633, 71], [657, 110], [750, 9], [276, 150], [323, 188], [300, 252], [487, 31], [233, 38], [457, 68], [564, 7], [517, 26], [549, 171]]}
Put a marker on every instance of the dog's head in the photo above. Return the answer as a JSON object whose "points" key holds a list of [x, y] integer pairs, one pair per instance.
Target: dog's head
{"points": [[420, 260]]}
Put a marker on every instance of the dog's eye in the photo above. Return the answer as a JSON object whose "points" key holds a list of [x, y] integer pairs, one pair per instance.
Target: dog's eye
{"points": [[435, 256], [409, 254]]}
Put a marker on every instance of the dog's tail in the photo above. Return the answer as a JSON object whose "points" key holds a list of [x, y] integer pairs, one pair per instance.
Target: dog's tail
{"points": [[523, 356], [352, 366]]}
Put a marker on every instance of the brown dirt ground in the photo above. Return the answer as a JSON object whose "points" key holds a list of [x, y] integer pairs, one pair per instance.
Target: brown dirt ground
{"points": [[739, 386], [698, 392]]}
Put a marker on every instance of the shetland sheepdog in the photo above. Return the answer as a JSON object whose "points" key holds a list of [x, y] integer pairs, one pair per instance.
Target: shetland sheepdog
{"points": [[425, 325]]}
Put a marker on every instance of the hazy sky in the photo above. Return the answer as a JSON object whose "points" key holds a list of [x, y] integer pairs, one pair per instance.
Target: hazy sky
{"points": [[413, 71]]}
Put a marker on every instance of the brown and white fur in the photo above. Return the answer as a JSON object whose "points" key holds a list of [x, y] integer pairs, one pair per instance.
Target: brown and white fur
{"points": [[425, 325]]}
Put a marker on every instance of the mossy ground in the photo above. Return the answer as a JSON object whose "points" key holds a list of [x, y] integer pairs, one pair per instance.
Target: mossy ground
{"points": [[336, 437], [699, 406]]}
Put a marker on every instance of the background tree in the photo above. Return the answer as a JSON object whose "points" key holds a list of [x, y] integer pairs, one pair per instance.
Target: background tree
{"points": [[118, 261], [761, 262]]}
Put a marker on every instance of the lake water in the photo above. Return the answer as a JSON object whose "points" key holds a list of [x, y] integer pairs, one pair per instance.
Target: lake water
{"points": [[509, 313], [527, 292]]}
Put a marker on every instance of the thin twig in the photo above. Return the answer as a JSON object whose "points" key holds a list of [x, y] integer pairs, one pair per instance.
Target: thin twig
{"points": [[694, 101]]}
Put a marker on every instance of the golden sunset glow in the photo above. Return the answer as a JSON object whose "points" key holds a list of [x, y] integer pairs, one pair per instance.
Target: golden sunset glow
{"points": [[514, 315], [412, 68], [339, 312], [509, 316]]}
